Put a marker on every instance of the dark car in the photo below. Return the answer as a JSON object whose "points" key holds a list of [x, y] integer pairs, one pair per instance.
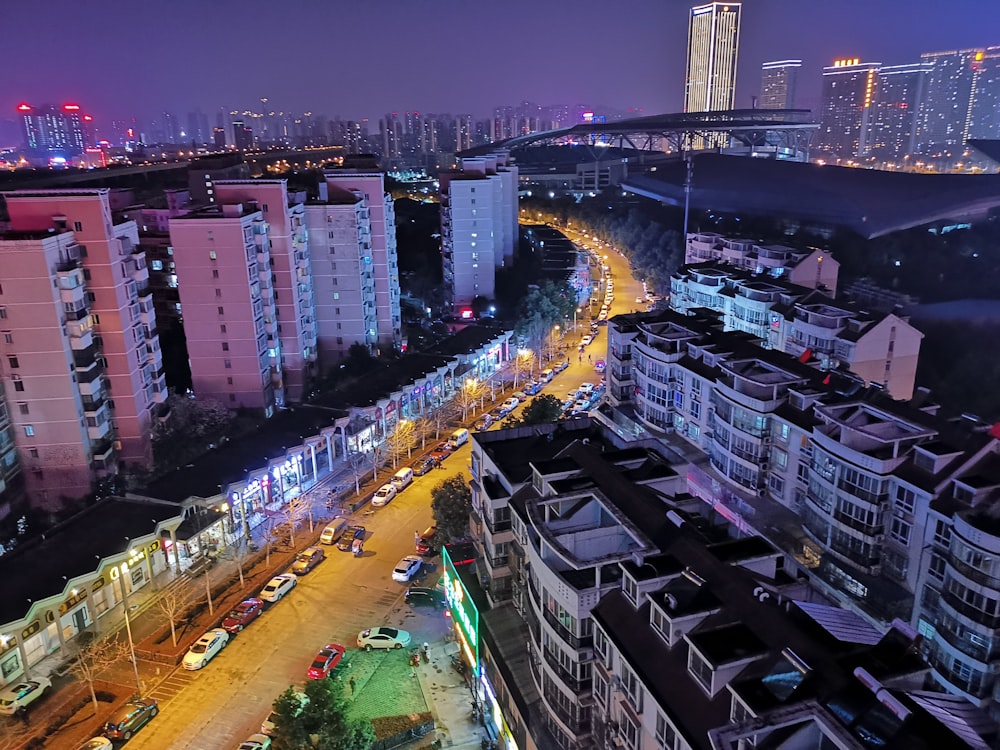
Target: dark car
{"points": [[307, 559], [351, 533], [243, 614], [532, 388], [419, 596], [483, 423], [131, 717], [422, 465]]}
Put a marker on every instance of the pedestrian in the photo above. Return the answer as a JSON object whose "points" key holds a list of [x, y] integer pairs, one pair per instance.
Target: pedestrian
{"points": [[413, 671], [416, 537], [350, 682]]}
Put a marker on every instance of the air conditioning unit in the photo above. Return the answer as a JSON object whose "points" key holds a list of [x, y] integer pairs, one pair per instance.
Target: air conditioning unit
{"points": [[75, 252]]}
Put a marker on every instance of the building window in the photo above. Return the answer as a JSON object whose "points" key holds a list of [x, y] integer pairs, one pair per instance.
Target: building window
{"points": [[215, 273], [225, 346], [211, 253], [228, 364], [900, 530], [23, 407], [665, 734], [229, 380], [8, 337], [905, 499], [629, 731], [222, 328], [29, 430], [218, 292], [630, 588], [700, 670], [14, 364], [77, 226], [936, 567], [3, 313], [222, 311], [18, 384], [33, 452]]}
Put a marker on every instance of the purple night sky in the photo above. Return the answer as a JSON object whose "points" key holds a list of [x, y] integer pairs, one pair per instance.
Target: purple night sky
{"points": [[362, 59]]}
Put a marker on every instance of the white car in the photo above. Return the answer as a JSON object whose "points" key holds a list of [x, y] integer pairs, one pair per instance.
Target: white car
{"points": [[278, 586], [206, 648], [585, 341], [384, 495], [256, 742], [267, 726], [510, 404], [383, 638], [23, 693], [406, 568], [586, 388]]}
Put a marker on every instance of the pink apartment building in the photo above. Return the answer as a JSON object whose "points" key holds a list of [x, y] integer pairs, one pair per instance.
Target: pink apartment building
{"points": [[81, 361], [291, 277], [223, 266], [383, 241]]}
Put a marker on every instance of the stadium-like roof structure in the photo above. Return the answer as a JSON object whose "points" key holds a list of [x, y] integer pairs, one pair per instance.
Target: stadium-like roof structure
{"points": [[869, 201]]}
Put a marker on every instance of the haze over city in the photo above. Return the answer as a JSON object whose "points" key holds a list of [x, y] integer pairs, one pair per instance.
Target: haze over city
{"points": [[124, 59]]}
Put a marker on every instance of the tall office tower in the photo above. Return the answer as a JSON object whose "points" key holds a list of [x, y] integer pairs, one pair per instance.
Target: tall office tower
{"points": [[343, 272], [223, 265], [383, 239], [197, 129], [429, 135], [391, 132], [478, 225], [948, 101], [712, 52], [79, 330], [242, 135], [778, 81], [219, 138], [291, 280], [54, 131], [464, 132], [899, 91], [845, 120], [171, 128], [984, 121]]}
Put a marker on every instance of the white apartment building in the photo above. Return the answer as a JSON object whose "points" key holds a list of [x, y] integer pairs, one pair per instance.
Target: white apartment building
{"points": [[810, 268], [81, 361], [385, 263], [291, 278], [223, 264], [478, 225], [882, 348], [343, 273], [892, 504]]}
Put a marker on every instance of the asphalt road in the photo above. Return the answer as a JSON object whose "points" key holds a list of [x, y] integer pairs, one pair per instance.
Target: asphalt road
{"points": [[222, 704]]}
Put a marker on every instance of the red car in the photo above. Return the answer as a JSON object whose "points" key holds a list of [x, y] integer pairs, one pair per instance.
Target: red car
{"points": [[326, 660], [441, 451], [243, 614]]}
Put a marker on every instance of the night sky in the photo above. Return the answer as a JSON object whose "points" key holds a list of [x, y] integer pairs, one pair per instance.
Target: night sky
{"points": [[360, 59]]}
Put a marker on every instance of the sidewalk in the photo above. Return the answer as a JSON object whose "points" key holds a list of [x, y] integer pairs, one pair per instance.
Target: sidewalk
{"points": [[449, 699]]}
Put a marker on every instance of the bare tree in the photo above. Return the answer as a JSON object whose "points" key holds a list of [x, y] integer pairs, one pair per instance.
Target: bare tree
{"points": [[356, 462], [422, 427], [171, 602], [523, 365], [94, 657], [439, 416], [239, 552], [467, 395], [399, 442]]}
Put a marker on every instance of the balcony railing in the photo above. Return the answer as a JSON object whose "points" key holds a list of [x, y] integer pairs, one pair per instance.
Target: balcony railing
{"points": [[967, 610], [576, 684], [969, 683], [979, 651], [571, 639], [868, 529], [973, 574]]}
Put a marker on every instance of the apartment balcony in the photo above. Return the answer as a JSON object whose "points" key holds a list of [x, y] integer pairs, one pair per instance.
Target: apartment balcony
{"points": [[78, 313], [101, 430], [571, 639], [89, 373], [567, 678], [103, 456], [864, 529], [984, 652], [143, 290], [86, 357], [82, 342], [160, 392], [969, 685], [93, 404], [973, 574], [959, 607]]}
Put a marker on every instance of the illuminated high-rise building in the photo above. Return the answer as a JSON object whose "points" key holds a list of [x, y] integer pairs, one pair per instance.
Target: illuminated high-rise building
{"points": [[849, 88], [984, 113], [948, 103], [57, 131], [778, 80], [894, 122], [713, 47]]}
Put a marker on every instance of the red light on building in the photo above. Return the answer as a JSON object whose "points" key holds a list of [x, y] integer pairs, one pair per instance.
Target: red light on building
{"points": [[88, 118], [22, 107], [71, 107]]}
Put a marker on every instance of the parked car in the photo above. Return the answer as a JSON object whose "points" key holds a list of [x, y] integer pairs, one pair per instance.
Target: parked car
{"points": [[586, 388], [383, 637], [510, 404], [585, 341], [206, 648], [243, 614], [600, 365], [325, 661], [406, 568], [130, 718], [560, 366], [256, 742], [333, 530], [384, 495], [483, 423], [308, 559], [278, 586], [422, 465], [441, 451], [426, 543], [346, 541], [533, 388], [521, 396], [97, 743], [420, 596], [22, 694], [267, 726]]}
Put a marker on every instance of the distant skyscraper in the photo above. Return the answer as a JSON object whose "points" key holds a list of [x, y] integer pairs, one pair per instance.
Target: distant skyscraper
{"points": [[985, 122], [53, 130], [242, 136], [219, 138], [171, 128], [894, 121], [197, 129], [713, 48], [778, 81], [845, 120], [947, 105], [391, 130]]}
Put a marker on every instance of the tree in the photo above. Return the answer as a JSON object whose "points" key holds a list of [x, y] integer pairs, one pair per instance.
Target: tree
{"points": [[171, 602], [468, 395], [191, 427], [451, 503], [93, 657], [440, 415], [318, 720], [399, 441], [541, 410], [523, 365]]}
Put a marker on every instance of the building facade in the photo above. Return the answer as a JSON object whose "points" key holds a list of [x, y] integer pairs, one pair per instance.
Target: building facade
{"points": [[778, 84], [849, 88], [712, 55], [223, 266], [899, 95], [52, 132], [948, 101], [79, 326], [810, 267]]}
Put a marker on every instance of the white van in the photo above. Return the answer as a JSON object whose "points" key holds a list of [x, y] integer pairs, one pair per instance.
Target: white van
{"points": [[458, 438], [402, 478], [333, 531], [546, 376]]}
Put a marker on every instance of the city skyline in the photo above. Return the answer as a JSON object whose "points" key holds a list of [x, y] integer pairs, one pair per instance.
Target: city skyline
{"points": [[96, 74]]}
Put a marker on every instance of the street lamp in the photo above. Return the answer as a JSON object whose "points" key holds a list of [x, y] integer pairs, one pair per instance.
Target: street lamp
{"points": [[123, 571]]}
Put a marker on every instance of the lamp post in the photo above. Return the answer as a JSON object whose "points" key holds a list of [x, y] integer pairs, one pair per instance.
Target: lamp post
{"points": [[123, 571]]}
